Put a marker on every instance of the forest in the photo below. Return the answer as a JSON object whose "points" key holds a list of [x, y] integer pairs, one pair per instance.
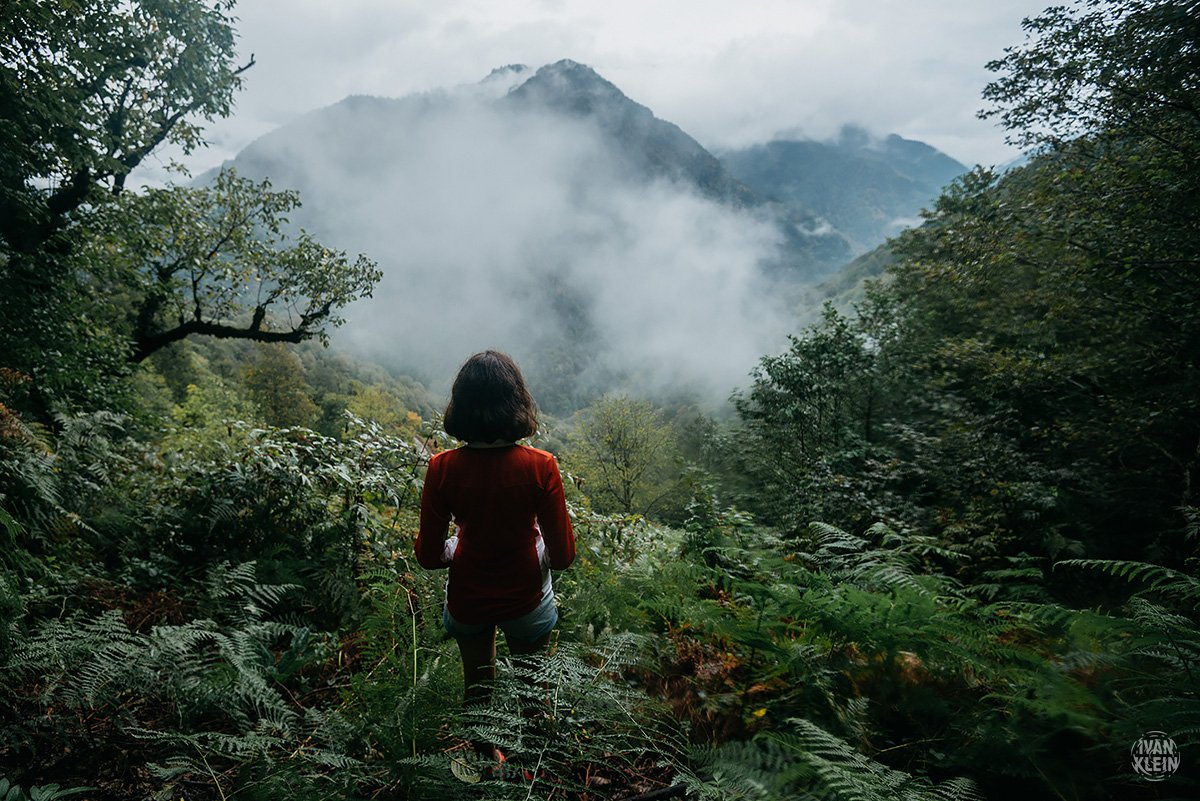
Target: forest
{"points": [[944, 546]]}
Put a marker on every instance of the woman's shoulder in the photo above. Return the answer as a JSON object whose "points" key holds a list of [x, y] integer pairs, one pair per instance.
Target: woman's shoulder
{"points": [[536, 454], [536, 461], [443, 458]]}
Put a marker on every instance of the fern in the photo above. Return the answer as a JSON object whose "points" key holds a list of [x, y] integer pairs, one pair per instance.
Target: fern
{"points": [[223, 682], [239, 582], [46, 792], [564, 717], [1180, 587], [805, 759]]}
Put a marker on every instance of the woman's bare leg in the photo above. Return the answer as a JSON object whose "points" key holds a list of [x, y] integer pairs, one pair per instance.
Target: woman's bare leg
{"points": [[479, 672], [479, 665]]}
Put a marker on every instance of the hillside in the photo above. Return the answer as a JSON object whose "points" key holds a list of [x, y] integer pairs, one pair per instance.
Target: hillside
{"points": [[869, 189], [611, 242]]}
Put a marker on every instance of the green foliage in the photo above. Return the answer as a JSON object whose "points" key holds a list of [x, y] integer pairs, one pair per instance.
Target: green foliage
{"points": [[88, 90], [275, 381], [617, 557], [195, 603], [820, 411], [304, 505], [1043, 306], [567, 724], [87, 94], [1060, 301], [627, 454], [205, 420], [226, 684], [1036, 366], [1095, 66], [805, 758], [216, 260], [868, 641], [48, 792]]}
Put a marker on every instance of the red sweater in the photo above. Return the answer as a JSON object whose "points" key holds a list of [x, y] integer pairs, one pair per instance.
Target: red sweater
{"points": [[494, 495]]}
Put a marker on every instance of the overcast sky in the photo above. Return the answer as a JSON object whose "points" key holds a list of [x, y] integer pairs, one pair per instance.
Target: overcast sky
{"points": [[729, 73]]}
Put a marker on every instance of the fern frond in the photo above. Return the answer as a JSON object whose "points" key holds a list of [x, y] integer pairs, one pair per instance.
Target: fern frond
{"points": [[1180, 587], [807, 761]]}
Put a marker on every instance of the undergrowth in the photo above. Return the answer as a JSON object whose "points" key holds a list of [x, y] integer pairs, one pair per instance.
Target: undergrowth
{"points": [[732, 659]]}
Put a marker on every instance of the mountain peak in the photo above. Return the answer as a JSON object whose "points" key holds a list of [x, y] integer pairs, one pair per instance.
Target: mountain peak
{"points": [[566, 66], [570, 86]]}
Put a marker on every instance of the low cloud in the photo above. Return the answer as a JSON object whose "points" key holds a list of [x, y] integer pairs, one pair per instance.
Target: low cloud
{"points": [[520, 230]]}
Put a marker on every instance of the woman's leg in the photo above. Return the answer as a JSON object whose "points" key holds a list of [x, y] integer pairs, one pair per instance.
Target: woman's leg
{"points": [[534, 707], [479, 665], [479, 672]]}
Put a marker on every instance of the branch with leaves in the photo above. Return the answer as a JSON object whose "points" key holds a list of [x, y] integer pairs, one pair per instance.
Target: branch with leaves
{"points": [[218, 260]]}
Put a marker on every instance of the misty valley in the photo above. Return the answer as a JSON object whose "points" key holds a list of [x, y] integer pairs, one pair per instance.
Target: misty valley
{"points": [[882, 469], [610, 250]]}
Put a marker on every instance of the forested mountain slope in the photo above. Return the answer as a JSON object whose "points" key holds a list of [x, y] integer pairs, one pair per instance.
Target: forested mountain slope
{"points": [[547, 195], [867, 188]]}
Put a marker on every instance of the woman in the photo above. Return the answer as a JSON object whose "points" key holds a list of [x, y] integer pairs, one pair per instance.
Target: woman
{"points": [[506, 501]]}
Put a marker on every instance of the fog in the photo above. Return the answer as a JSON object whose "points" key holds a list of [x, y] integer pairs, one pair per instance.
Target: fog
{"points": [[731, 74], [527, 231]]}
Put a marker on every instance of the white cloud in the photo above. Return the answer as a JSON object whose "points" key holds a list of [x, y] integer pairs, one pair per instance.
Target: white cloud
{"points": [[509, 230], [483, 223], [727, 73]]}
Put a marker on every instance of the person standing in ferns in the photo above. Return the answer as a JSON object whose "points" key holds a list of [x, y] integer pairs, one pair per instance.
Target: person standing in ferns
{"points": [[511, 525]]}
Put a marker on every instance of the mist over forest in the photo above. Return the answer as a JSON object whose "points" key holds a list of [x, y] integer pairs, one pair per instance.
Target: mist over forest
{"points": [[544, 213]]}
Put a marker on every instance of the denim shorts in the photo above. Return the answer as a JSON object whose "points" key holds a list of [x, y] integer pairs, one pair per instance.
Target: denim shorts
{"points": [[527, 628]]}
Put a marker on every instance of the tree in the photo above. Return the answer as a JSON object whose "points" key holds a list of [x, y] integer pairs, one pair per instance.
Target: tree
{"points": [[275, 381], [93, 278], [216, 260], [1060, 303], [1096, 67], [1044, 393], [815, 418], [626, 453], [88, 90]]}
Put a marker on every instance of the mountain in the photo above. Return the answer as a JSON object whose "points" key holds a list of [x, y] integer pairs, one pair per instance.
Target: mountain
{"points": [[545, 213], [648, 145], [348, 141], [867, 188]]}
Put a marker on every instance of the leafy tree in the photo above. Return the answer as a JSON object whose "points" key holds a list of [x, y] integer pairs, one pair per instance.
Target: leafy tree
{"points": [[627, 454], [1126, 68], [202, 421], [91, 277], [199, 259], [276, 384], [1061, 302], [386, 406], [88, 90], [816, 418], [1043, 393]]}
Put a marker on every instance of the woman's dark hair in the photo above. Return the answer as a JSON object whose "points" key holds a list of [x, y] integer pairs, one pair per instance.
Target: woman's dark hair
{"points": [[489, 401]]}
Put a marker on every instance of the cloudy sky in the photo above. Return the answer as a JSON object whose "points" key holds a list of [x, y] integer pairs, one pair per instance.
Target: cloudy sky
{"points": [[729, 73]]}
